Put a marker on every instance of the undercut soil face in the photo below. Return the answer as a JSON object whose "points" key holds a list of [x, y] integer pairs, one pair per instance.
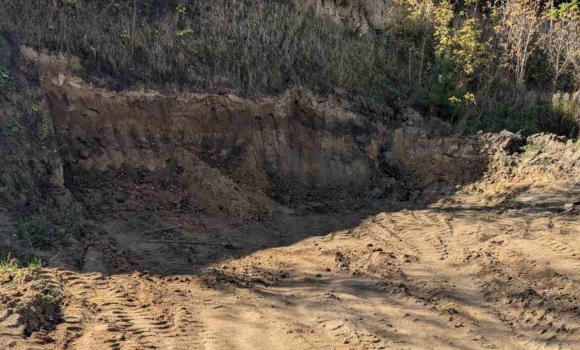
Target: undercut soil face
{"points": [[241, 158]]}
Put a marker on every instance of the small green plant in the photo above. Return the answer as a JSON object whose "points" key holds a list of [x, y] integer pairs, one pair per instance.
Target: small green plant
{"points": [[531, 148], [4, 77], [35, 263], [16, 180], [9, 264], [183, 32], [38, 230], [50, 292], [46, 127], [339, 207], [16, 272], [43, 230], [50, 295], [12, 128]]}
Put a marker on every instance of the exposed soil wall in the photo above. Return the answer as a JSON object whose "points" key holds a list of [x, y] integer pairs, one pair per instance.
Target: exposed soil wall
{"points": [[143, 129], [240, 153]]}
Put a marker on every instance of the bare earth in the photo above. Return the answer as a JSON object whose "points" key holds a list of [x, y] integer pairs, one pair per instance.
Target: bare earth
{"points": [[496, 265]]}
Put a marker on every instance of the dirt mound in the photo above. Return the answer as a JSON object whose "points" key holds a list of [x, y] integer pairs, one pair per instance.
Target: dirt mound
{"points": [[493, 265], [199, 189], [31, 307], [542, 156], [529, 172], [433, 156]]}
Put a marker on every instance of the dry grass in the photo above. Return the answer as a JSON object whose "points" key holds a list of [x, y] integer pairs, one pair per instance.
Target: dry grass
{"points": [[242, 46], [259, 47]]}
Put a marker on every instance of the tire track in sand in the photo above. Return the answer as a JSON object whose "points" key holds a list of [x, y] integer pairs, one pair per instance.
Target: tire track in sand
{"points": [[114, 313]]}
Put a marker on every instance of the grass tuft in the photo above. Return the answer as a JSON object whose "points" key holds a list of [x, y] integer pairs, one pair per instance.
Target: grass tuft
{"points": [[9, 264], [12, 270], [531, 148], [43, 230]]}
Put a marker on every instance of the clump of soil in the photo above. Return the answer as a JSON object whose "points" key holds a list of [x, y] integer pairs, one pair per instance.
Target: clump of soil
{"points": [[32, 303]]}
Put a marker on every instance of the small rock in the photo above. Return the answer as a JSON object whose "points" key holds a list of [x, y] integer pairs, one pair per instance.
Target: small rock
{"points": [[569, 206], [84, 153], [27, 278]]}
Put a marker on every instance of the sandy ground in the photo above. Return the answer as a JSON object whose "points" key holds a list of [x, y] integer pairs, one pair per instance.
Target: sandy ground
{"points": [[495, 265], [461, 273], [461, 260]]}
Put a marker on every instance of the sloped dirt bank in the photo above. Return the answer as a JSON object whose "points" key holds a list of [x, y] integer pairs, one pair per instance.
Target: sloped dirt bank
{"points": [[244, 157], [494, 265], [471, 242]]}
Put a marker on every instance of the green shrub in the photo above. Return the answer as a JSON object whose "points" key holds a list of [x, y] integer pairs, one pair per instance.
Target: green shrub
{"points": [[18, 179], [434, 97], [503, 116], [565, 110], [43, 229], [522, 111]]}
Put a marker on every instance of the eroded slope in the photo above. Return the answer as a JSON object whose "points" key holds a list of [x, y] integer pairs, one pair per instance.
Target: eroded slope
{"points": [[195, 252]]}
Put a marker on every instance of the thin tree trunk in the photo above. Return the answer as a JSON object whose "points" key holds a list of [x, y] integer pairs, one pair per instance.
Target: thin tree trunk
{"points": [[422, 59], [410, 76], [133, 27]]}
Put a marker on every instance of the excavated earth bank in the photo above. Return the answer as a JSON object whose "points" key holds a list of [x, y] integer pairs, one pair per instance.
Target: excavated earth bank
{"points": [[240, 156], [291, 222]]}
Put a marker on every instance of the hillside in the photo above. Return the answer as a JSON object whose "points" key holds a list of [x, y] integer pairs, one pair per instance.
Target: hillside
{"points": [[288, 175], [479, 66]]}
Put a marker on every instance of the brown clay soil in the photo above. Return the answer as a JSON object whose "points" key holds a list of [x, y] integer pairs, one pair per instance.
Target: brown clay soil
{"points": [[495, 265]]}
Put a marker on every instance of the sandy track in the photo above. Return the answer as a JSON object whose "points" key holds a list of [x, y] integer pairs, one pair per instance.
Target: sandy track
{"points": [[458, 274]]}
